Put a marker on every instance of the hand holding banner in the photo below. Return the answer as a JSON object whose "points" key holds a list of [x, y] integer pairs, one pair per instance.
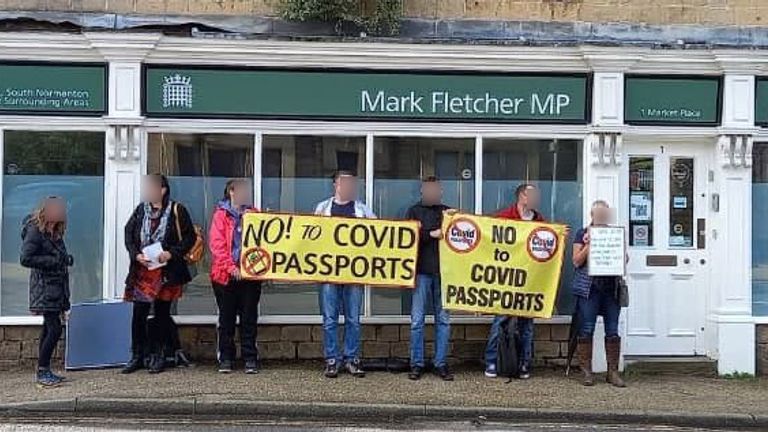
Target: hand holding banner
{"points": [[302, 248], [500, 266]]}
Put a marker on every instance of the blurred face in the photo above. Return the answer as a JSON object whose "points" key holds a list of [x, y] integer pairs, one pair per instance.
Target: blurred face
{"points": [[241, 193], [346, 187], [530, 198], [151, 190], [601, 215], [431, 192], [55, 210]]}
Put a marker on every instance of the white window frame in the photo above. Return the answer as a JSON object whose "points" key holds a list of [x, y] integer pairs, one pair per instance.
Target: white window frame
{"points": [[47, 124], [371, 131]]}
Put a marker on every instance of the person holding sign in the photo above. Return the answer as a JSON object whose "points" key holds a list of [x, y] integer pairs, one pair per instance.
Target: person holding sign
{"points": [[596, 295], [342, 204], [429, 213], [524, 208], [158, 236], [235, 296]]}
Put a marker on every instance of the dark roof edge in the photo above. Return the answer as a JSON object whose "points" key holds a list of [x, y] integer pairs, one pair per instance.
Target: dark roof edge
{"points": [[458, 31]]}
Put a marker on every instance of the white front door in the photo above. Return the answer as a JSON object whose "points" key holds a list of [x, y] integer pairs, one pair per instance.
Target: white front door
{"points": [[666, 199]]}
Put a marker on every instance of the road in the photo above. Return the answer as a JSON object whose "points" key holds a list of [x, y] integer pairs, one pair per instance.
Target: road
{"points": [[173, 425]]}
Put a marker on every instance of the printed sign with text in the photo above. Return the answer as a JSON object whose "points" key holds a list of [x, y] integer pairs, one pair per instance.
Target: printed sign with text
{"points": [[304, 248], [500, 266], [607, 251]]}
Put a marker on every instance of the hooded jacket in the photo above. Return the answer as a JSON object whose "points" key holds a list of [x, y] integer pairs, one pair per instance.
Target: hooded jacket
{"points": [[49, 263], [221, 242]]}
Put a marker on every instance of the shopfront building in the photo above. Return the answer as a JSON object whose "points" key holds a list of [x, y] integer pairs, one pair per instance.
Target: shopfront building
{"points": [[664, 136]]}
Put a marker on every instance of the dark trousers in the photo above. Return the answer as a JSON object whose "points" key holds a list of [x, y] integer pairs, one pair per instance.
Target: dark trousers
{"points": [[238, 298], [49, 338], [144, 341]]}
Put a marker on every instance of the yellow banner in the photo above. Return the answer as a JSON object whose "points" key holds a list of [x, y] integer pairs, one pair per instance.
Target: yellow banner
{"points": [[329, 249], [500, 266]]}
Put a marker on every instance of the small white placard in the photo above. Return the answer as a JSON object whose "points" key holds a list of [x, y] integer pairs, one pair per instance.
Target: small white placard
{"points": [[152, 252], [607, 251]]}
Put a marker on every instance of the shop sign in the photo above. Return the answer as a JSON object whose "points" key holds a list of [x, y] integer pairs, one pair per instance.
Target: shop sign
{"points": [[364, 95], [672, 100], [761, 101], [53, 88]]}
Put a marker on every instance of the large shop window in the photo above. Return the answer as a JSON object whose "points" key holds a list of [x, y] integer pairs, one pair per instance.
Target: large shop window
{"points": [[759, 230], [65, 164], [555, 167], [198, 167], [296, 175], [400, 164]]}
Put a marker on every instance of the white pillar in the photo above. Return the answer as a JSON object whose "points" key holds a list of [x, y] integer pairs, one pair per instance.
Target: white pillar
{"points": [[602, 158], [732, 334], [123, 166]]}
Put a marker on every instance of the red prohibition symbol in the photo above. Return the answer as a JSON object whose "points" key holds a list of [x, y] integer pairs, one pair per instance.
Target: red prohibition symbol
{"points": [[255, 262]]}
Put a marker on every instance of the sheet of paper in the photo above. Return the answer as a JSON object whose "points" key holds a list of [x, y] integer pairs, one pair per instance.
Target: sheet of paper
{"points": [[152, 252], [606, 251]]}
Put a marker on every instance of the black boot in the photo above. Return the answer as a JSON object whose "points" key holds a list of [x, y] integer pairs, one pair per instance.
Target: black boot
{"points": [[156, 363], [136, 363]]}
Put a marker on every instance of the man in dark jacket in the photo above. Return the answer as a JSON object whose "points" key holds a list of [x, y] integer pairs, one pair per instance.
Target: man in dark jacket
{"points": [[429, 212], [524, 208]]}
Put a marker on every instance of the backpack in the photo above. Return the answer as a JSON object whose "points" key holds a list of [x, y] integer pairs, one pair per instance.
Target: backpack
{"points": [[507, 363], [198, 249]]}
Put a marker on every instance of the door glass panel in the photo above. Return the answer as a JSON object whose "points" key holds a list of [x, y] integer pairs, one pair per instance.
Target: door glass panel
{"points": [[759, 230], [641, 201], [681, 202]]}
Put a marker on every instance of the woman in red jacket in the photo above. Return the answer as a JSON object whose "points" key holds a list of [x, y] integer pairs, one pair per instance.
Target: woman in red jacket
{"points": [[234, 295]]}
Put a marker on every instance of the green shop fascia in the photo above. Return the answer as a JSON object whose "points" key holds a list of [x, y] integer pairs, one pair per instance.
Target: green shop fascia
{"points": [[37, 88], [333, 94]]}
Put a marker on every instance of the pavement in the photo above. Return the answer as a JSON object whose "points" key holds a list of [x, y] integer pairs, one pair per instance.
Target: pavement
{"points": [[298, 390]]}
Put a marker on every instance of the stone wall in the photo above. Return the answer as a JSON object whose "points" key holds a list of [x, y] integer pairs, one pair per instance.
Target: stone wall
{"points": [[707, 12], [18, 344]]}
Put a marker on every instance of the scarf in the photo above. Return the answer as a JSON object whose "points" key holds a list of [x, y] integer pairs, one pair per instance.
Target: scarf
{"points": [[237, 232], [148, 236]]}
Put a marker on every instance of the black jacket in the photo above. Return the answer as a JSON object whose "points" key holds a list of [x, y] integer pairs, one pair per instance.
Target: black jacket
{"points": [[176, 271], [49, 276], [431, 218]]}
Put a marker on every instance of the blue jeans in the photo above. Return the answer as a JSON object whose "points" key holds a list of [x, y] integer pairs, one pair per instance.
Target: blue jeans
{"points": [[601, 301], [524, 328], [428, 289], [332, 297]]}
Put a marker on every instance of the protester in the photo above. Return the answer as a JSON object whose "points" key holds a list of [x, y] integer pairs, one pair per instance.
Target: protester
{"points": [[596, 295], [350, 297], [43, 251], [429, 212], [524, 208], [234, 296], [155, 281]]}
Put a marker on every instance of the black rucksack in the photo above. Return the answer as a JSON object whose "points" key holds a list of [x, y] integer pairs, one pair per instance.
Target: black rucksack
{"points": [[507, 362]]}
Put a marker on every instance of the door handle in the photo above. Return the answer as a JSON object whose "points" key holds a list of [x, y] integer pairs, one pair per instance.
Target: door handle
{"points": [[686, 261], [702, 261]]}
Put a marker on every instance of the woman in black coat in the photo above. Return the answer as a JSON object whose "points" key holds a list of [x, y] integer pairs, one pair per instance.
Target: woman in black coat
{"points": [[155, 283], [44, 252]]}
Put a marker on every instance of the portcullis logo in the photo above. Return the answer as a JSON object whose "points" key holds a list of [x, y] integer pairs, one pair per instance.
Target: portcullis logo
{"points": [[463, 235], [543, 244]]}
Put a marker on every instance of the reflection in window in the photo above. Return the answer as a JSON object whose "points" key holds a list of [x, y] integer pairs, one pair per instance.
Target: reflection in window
{"points": [[400, 164], [296, 175], [198, 167], [759, 230], [640, 201], [681, 202], [552, 165], [65, 164]]}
